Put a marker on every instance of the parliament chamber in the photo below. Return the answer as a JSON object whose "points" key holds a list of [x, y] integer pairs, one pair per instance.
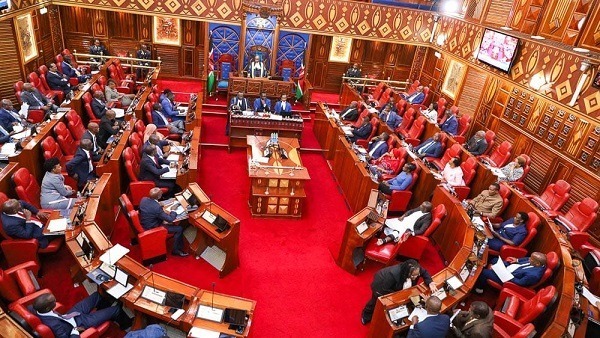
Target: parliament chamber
{"points": [[254, 168]]}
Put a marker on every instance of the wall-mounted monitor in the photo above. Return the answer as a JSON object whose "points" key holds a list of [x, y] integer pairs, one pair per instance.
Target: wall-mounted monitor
{"points": [[498, 49], [4, 4]]}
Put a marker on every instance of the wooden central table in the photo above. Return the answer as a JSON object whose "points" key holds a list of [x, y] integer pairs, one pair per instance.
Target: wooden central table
{"points": [[277, 186]]}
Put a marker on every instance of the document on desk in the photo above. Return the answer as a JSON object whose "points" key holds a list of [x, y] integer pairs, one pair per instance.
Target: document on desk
{"points": [[276, 117], [119, 290], [420, 312], [590, 296], [177, 149], [362, 227], [454, 282], [210, 313], [173, 158], [154, 295], [209, 216], [57, 225], [182, 111], [22, 135], [478, 222], [347, 130], [171, 175], [8, 149], [112, 255], [257, 156], [119, 113], [440, 293], [502, 271], [198, 332]]}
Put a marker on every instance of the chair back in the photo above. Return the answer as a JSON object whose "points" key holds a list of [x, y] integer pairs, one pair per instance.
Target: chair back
{"points": [[502, 154], [526, 167], [441, 109], [75, 124], [26, 187], [65, 139], [531, 225], [126, 207], [401, 107], [378, 91], [583, 214], [34, 79], [556, 194], [114, 74], [490, 138], [140, 128], [52, 149], [43, 71], [532, 308], [413, 87], [428, 96], [153, 98], [385, 97], [469, 168], [134, 215], [18, 90], [374, 126], [131, 164], [417, 128], [21, 308], [102, 81], [58, 61], [437, 216], [463, 124], [451, 152], [148, 111], [136, 144], [407, 120]]}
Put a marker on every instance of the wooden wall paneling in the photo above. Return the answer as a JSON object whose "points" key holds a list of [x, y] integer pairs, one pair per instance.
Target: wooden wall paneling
{"points": [[575, 22], [556, 18], [145, 27], [100, 25], [590, 37], [542, 161], [333, 77], [127, 47], [76, 20], [472, 92], [318, 62], [117, 30], [497, 12], [188, 61], [56, 28], [11, 70], [418, 63], [170, 56], [189, 32], [358, 49], [526, 15], [199, 65]]}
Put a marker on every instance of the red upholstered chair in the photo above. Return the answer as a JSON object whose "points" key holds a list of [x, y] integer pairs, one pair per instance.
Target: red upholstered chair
{"points": [[499, 157], [362, 114], [35, 80], [505, 192], [428, 97], [59, 94], [401, 154], [413, 136], [374, 127], [102, 81], [19, 281], [137, 189], [75, 125], [490, 138], [469, 169], [139, 128], [594, 275], [136, 144], [531, 225], [578, 219], [519, 182], [27, 187], [33, 115], [123, 85], [524, 305], [463, 125], [73, 81], [52, 149], [163, 130], [441, 109], [65, 140], [43, 331], [451, 152], [385, 97], [552, 263], [413, 87], [414, 246], [375, 92], [67, 52], [153, 98], [400, 199], [407, 121], [509, 329], [87, 105], [554, 197], [153, 242]]}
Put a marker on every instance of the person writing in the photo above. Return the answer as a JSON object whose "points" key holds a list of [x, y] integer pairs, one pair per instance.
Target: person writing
{"points": [[435, 324], [510, 232]]}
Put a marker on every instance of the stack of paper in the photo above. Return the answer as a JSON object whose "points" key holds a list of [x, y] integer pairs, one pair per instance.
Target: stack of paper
{"points": [[502, 272], [119, 290], [119, 113], [419, 312], [112, 255], [57, 225], [210, 313]]}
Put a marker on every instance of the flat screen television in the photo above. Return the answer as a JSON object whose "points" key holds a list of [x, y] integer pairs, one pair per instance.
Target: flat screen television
{"points": [[498, 49], [4, 4]]}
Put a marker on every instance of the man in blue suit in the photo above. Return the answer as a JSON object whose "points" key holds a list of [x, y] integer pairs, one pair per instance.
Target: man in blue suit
{"points": [[151, 169], [527, 271], [262, 103], [434, 325], [169, 108], [70, 71], [417, 97], [511, 232], [80, 317], [390, 117], [9, 117], [432, 147], [283, 107], [98, 104], [239, 103], [400, 182], [378, 146], [450, 126], [57, 81], [363, 131], [17, 221], [152, 215], [81, 166], [160, 120]]}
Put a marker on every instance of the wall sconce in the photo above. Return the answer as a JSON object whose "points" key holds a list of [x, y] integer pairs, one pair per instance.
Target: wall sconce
{"points": [[585, 66], [436, 18]]}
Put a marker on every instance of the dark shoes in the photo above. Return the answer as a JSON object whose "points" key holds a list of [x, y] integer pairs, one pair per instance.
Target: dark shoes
{"points": [[180, 253]]}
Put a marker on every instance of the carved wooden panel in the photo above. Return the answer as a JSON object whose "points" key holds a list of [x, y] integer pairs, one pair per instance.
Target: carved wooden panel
{"points": [[99, 24], [118, 30], [144, 27], [542, 160], [590, 38], [189, 32], [11, 72], [76, 20], [253, 87], [170, 57], [556, 22], [498, 12], [474, 85]]}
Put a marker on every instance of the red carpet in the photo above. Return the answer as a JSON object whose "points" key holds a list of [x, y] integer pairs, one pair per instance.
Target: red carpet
{"points": [[287, 266], [325, 97]]}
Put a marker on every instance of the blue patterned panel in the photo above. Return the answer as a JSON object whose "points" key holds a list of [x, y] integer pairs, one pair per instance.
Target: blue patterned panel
{"points": [[259, 32], [254, 20], [225, 40], [292, 46], [224, 80], [286, 73]]}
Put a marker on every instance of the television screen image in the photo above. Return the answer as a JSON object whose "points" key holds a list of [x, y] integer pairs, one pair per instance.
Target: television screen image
{"points": [[498, 49]]}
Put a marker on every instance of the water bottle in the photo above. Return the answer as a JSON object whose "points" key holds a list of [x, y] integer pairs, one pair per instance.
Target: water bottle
{"points": [[482, 249]]}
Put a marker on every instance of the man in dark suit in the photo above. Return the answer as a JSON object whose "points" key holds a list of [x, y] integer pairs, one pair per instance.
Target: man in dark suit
{"points": [[57, 81], [262, 103], [145, 54], [477, 144], [17, 221], [80, 317], [435, 325], [431, 147], [510, 232], [395, 278], [450, 126], [363, 131], [160, 120], [81, 166], [36, 100], [151, 169], [417, 97], [99, 104], [153, 215], [160, 144], [478, 322], [527, 271], [108, 127], [169, 107], [239, 103], [70, 71], [98, 49], [9, 117], [414, 222], [389, 117], [350, 113], [92, 134], [282, 107], [378, 146]]}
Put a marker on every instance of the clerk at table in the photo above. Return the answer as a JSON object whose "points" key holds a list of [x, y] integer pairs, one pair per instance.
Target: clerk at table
{"points": [[262, 103], [239, 103], [283, 107]]}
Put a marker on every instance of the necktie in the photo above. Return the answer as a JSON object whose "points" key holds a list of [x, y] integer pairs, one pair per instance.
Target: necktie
{"points": [[38, 100], [94, 142]]}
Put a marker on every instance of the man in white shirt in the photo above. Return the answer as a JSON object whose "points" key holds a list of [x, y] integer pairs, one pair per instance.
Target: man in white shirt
{"points": [[414, 222]]}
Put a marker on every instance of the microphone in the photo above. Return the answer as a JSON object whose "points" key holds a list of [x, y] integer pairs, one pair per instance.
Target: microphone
{"points": [[212, 305], [152, 281]]}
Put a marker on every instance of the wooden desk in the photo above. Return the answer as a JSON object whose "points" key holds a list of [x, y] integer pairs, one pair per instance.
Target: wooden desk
{"points": [[326, 130], [111, 163], [253, 87], [353, 240], [9, 328], [348, 94], [242, 126], [6, 184], [185, 177], [207, 235], [97, 239], [194, 116], [138, 109], [100, 205]]}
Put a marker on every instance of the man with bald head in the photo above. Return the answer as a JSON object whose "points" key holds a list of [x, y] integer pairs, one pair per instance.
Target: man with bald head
{"points": [[99, 104], [9, 118], [151, 169], [153, 215], [434, 324], [107, 128], [527, 271], [81, 166], [477, 144], [17, 221], [350, 113], [35, 100], [92, 134], [414, 222]]}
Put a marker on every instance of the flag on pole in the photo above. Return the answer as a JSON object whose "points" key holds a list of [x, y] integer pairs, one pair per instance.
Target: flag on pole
{"points": [[300, 84], [211, 65]]}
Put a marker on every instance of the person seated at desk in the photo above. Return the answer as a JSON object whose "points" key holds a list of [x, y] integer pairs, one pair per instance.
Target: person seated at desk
{"points": [[387, 164], [415, 221], [400, 182], [363, 131], [151, 170], [35, 100], [378, 146], [81, 166], [392, 103], [415, 98], [257, 68], [513, 170], [152, 215], [99, 107], [162, 145], [452, 173], [92, 134], [434, 324], [488, 203], [80, 317], [239, 103], [169, 107], [450, 126], [431, 112], [17, 221], [431, 147], [57, 81], [54, 193], [527, 271], [70, 71], [350, 113], [109, 126], [160, 120], [390, 117], [282, 107], [477, 322], [512, 232], [477, 144], [112, 95], [9, 117], [262, 103], [392, 279]]}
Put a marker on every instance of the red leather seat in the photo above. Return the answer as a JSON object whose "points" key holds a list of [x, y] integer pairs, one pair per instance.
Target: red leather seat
{"points": [[401, 154], [400, 199], [59, 94], [413, 136], [531, 225], [65, 140], [463, 125], [594, 275], [73, 81], [34, 79], [401, 107], [153, 98], [526, 168], [162, 130], [374, 126], [451, 152], [407, 121], [67, 52], [362, 114], [428, 96], [102, 81], [505, 192], [137, 189], [87, 105], [376, 92], [52, 149], [136, 144], [43, 331], [490, 138], [524, 305], [33, 115], [413, 87], [123, 85], [441, 107], [75, 125], [554, 197], [469, 169], [385, 97], [578, 220], [139, 128], [509, 329], [499, 157], [552, 262], [26, 187], [19, 281]]}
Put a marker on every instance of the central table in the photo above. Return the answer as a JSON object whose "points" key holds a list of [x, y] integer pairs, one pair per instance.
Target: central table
{"points": [[276, 182]]}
